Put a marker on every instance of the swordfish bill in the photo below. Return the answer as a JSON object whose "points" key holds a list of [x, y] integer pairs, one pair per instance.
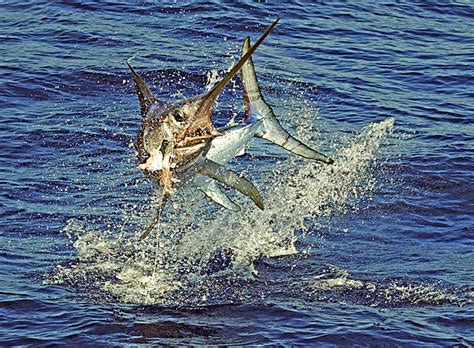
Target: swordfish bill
{"points": [[211, 96]]}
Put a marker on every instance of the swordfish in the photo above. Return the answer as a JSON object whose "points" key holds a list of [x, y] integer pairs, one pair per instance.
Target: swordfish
{"points": [[177, 144]]}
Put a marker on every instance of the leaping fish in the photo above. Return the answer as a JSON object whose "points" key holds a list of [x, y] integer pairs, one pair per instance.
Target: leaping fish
{"points": [[178, 145]]}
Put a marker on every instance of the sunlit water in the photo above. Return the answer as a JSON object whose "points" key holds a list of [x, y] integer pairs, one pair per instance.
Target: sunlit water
{"points": [[376, 249]]}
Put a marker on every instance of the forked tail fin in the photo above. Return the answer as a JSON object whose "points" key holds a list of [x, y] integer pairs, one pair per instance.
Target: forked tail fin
{"points": [[273, 131]]}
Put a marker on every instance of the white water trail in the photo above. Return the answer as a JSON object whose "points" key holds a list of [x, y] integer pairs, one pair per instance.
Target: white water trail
{"points": [[301, 194], [300, 190]]}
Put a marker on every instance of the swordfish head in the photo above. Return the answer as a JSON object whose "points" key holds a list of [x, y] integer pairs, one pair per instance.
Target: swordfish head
{"points": [[173, 137]]}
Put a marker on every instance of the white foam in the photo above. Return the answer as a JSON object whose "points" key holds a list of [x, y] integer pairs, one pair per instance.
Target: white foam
{"points": [[300, 194]]}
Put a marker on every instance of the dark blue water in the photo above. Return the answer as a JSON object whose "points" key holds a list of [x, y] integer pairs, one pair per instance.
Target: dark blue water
{"points": [[376, 250]]}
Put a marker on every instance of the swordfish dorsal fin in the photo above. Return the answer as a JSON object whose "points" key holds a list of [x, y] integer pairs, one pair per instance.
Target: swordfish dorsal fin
{"points": [[145, 96], [273, 131], [230, 178]]}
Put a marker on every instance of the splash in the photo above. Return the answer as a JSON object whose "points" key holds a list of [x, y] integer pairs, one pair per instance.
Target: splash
{"points": [[198, 241], [301, 191], [213, 78], [337, 285]]}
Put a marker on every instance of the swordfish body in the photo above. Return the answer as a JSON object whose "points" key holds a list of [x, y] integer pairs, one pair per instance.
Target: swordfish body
{"points": [[259, 121], [177, 144]]}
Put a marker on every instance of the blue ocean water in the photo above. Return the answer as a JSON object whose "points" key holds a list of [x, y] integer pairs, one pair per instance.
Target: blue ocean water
{"points": [[374, 250]]}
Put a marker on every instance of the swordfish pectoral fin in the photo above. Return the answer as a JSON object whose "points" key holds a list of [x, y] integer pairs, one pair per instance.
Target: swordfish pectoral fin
{"points": [[145, 96], [273, 131], [230, 178], [213, 191]]}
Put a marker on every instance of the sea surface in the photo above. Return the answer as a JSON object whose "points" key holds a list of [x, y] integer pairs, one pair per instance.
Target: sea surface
{"points": [[375, 250]]}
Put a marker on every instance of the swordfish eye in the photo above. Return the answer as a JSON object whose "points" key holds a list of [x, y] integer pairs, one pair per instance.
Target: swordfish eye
{"points": [[178, 115]]}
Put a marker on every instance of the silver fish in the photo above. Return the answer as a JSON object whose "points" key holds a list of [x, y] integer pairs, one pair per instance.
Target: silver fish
{"points": [[178, 145]]}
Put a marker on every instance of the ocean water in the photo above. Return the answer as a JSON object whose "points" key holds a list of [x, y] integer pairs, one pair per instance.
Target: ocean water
{"points": [[375, 250]]}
